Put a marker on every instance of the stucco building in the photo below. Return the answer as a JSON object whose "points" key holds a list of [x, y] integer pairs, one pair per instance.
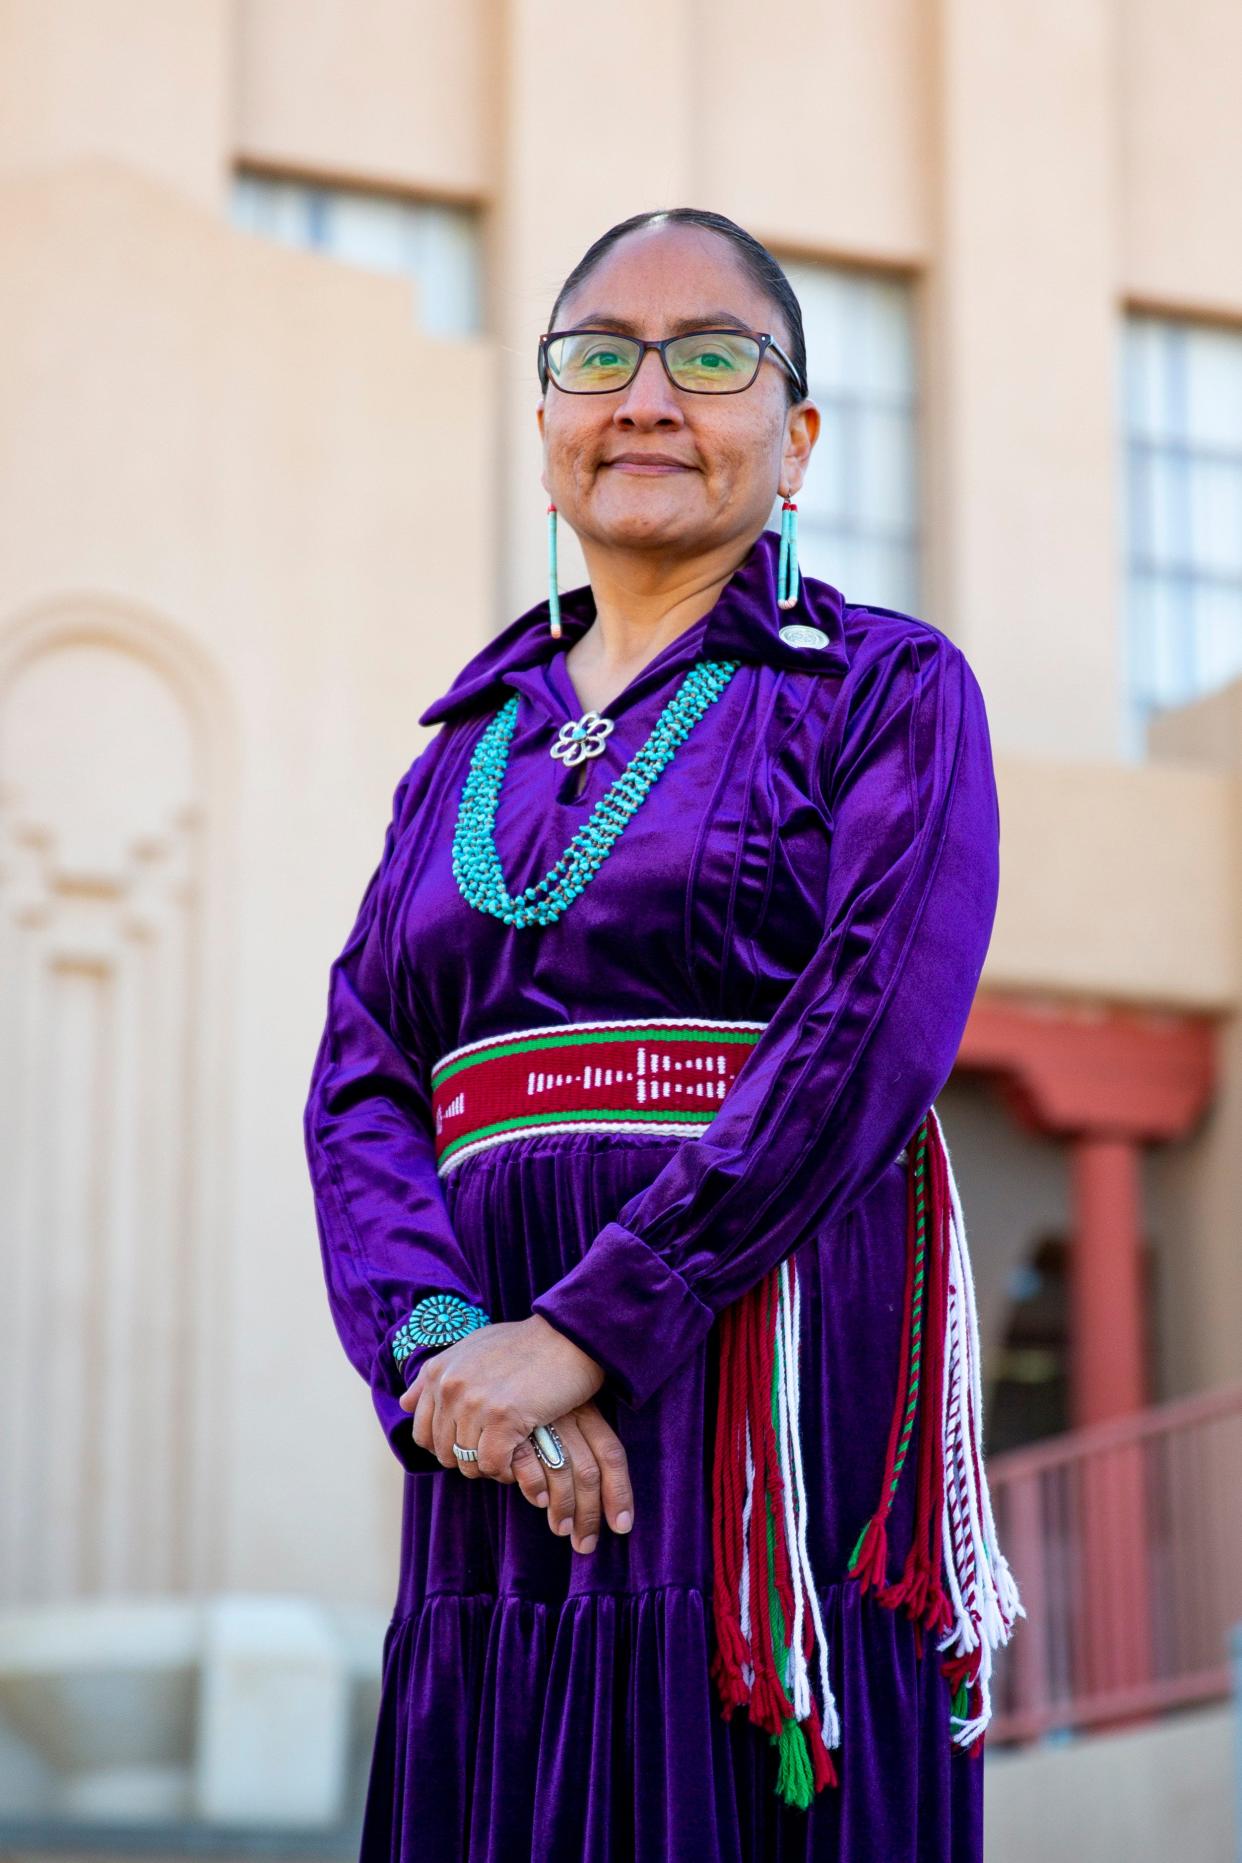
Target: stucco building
{"points": [[271, 278]]}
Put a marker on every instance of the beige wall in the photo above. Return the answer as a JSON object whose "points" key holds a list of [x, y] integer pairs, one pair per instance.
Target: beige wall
{"points": [[1196, 1185], [386, 93], [240, 513], [1119, 883], [1176, 86], [150, 86], [245, 472]]}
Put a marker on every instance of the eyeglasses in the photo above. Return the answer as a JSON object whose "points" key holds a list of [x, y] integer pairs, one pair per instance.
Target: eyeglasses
{"points": [[703, 362]]}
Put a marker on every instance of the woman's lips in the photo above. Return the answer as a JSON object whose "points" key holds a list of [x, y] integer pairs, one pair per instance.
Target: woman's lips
{"points": [[632, 465]]}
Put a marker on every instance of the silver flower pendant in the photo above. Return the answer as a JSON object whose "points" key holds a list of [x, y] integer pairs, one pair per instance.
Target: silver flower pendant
{"points": [[581, 738]]}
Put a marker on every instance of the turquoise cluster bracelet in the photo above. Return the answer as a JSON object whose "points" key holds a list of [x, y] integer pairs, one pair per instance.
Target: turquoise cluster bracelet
{"points": [[437, 1321]]}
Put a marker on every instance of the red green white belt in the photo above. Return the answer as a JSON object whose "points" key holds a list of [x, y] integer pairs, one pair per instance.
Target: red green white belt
{"points": [[665, 1078]]}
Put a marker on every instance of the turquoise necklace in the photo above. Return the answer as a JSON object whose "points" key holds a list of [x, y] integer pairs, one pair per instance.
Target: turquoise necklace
{"points": [[476, 862]]}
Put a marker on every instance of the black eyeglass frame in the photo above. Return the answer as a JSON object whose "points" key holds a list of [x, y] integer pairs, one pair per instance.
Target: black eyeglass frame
{"points": [[765, 340]]}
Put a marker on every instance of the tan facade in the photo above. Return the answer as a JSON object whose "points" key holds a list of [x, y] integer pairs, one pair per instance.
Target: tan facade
{"points": [[252, 518]]}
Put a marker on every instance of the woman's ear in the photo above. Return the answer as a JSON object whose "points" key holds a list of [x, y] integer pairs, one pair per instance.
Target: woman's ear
{"points": [[800, 438]]}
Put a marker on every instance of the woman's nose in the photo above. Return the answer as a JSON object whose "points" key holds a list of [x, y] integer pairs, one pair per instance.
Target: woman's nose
{"points": [[650, 392]]}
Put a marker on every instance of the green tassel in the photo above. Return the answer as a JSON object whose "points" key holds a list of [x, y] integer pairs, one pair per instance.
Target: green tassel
{"points": [[795, 1781]]}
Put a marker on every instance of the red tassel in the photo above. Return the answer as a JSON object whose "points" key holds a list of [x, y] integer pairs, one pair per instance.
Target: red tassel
{"points": [[823, 1772], [728, 1480], [871, 1553], [762, 1708]]}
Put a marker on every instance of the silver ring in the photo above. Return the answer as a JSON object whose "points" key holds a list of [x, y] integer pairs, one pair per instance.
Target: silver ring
{"points": [[548, 1446], [465, 1455]]}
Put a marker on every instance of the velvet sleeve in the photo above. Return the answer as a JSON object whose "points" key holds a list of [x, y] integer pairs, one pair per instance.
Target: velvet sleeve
{"points": [[857, 1049], [386, 1238]]}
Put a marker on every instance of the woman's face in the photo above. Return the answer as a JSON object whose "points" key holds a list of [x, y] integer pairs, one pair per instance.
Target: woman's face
{"points": [[735, 452]]}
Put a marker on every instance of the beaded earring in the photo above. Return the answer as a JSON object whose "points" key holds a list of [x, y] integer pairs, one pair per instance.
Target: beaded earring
{"points": [[554, 594], [787, 582], [787, 568]]}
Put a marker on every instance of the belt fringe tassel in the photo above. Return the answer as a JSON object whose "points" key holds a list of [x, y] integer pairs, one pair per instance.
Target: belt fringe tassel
{"points": [[771, 1653]]}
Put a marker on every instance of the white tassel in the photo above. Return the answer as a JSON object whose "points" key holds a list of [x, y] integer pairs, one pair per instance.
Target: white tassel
{"points": [[965, 1564], [1006, 1590], [830, 1721], [798, 1681], [955, 1518], [791, 1337], [981, 1586]]}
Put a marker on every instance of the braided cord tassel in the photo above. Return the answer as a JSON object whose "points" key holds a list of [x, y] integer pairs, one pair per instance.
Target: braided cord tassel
{"points": [[919, 1590], [869, 1558], [770, 1638], [984, 1596], [955, 1576]]}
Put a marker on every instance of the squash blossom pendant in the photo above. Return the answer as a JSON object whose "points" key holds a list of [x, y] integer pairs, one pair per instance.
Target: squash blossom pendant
{"points": [[581, 738]]}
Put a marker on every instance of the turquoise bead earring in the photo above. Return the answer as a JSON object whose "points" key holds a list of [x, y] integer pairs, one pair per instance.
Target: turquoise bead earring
{"points": [[787, 580], [554, 594], [787, 568]]}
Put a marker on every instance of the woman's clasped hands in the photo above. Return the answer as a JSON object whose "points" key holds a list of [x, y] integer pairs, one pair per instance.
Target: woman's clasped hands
{"points": [[490, 1389]]}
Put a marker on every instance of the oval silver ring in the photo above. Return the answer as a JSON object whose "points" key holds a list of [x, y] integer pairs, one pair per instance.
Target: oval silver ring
{"points": [[548, 1446]]}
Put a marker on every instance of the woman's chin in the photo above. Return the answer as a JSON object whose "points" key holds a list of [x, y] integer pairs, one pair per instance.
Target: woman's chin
{"points": [[652, 514]]}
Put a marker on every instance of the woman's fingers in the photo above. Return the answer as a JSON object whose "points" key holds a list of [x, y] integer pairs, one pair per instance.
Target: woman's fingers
{"points": [[593, 1482], [556, 1483], [429, 1430], [610, 1457], [595, 1478], [575, 1489], [529, 1474]]}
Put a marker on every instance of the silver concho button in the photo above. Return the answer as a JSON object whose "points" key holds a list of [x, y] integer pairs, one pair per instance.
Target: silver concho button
{"points": [[796, 634]]}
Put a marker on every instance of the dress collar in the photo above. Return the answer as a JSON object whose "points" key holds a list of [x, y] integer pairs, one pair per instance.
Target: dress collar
{"points": [[744, 624]]}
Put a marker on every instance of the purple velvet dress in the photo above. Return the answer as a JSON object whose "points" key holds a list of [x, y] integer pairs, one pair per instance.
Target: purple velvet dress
{"points": [[821, 856]]}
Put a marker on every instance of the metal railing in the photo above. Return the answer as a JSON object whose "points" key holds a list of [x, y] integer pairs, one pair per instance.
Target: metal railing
{"points": [[1125, 1540]]}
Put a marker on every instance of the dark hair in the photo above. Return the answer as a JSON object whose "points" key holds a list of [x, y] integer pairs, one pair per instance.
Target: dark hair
{"points": [[763, 269]]}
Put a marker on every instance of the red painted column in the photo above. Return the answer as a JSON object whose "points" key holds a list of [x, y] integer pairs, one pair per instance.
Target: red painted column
{"points": [[1108, 1375], [1109, 1379]]}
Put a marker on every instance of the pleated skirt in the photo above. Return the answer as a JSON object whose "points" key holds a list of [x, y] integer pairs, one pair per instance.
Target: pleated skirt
{"points": [[539, 1703]]}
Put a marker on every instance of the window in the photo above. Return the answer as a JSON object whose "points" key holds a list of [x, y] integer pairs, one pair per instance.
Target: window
{"points": [[858, 507], [1182, 417], [436, 245]]}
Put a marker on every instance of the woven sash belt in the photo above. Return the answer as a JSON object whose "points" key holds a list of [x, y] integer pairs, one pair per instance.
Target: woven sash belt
{"points": [[667, 1077], [664, 1077]]}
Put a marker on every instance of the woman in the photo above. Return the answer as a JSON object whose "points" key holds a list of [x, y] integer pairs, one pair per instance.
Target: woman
{"points": [[634, 1207]]}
